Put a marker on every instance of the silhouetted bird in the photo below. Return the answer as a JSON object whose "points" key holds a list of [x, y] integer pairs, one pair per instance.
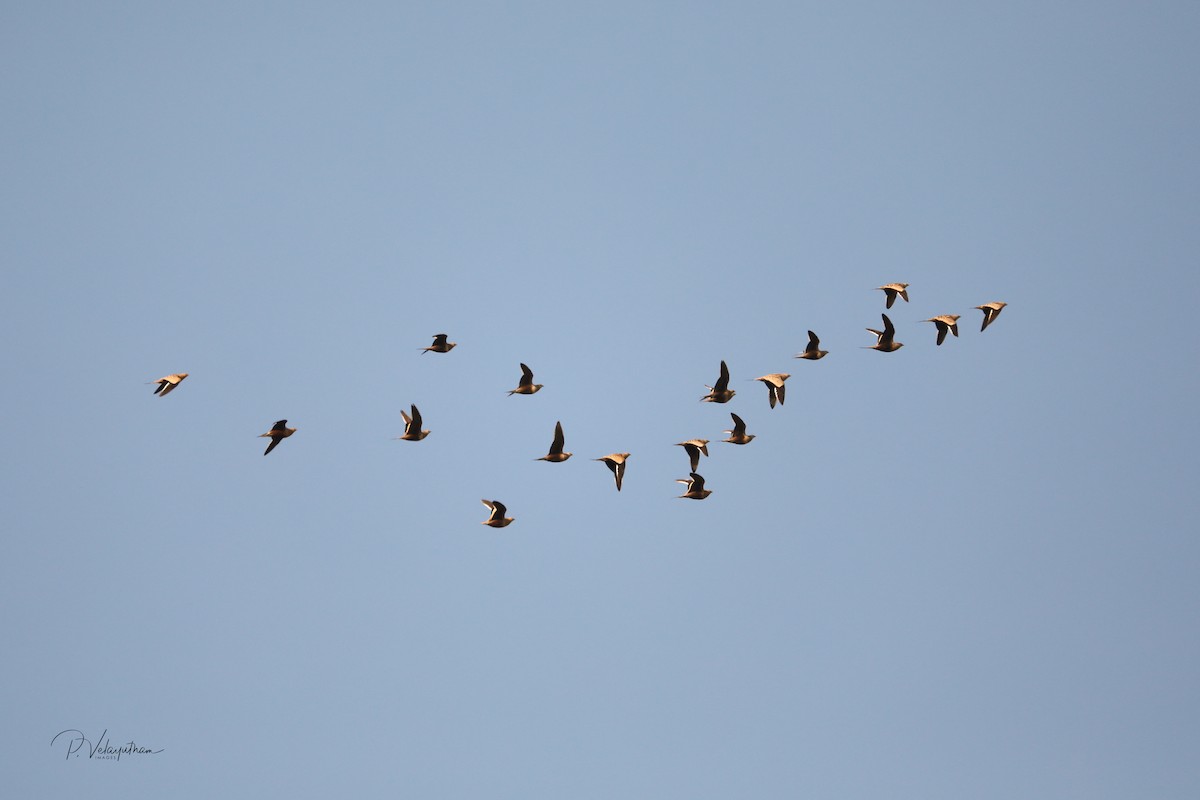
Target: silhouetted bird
{"points": [[886, 341], [556, 453], [695, 487], [813, 351], [526, 386], [412, 426], [720, 392], [497, 519], [440, 345], [279, 431], [738, 435]]}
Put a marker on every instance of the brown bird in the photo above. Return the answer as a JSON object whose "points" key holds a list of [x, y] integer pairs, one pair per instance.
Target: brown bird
{"points": [[946, 322], [719, 393], [412, 426], [886, 342], [279, 431], [166, 384], [694, 448], [813, 351], [556, 453], [440, 345], [894, 290], [738, 435], [775, 386], [695, 487], [990, 312], [615, 462], [497, 519], [526, 386]]}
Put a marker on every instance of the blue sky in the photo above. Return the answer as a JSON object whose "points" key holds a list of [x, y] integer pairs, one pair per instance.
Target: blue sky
{"points": [[943, 572]]}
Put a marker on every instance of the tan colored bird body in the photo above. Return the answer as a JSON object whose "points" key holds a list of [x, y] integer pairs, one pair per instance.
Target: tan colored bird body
{"points": [[694, 448], [775, 387], [990, 312], [167, 383], [279, 431], [944, 323], [894, 290], [616, 463], [497, 518]]}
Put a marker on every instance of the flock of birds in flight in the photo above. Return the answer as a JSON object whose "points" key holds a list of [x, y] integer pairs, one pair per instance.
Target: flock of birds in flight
{"points": [[719, 392]]}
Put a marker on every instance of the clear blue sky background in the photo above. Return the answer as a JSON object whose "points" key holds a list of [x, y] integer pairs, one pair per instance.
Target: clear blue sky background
{"points": [[965, 571]]}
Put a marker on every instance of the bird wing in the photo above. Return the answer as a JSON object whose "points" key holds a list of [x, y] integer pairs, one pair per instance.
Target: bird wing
{"points": [[889, 331], [556, 447], [722, 381]]}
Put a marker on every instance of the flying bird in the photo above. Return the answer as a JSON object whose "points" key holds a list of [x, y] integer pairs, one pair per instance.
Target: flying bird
{"points": [[720, 392], [615, 462], [813, 351], [695, 487], [775, 387], [894, 290], [440, 345], [556, 453], [946, 322], [738, 435], [990, 312], [526, 386], [694, 448], [279, 431], [497, 518], [167, 383], [412, 426], [887, 337]]}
